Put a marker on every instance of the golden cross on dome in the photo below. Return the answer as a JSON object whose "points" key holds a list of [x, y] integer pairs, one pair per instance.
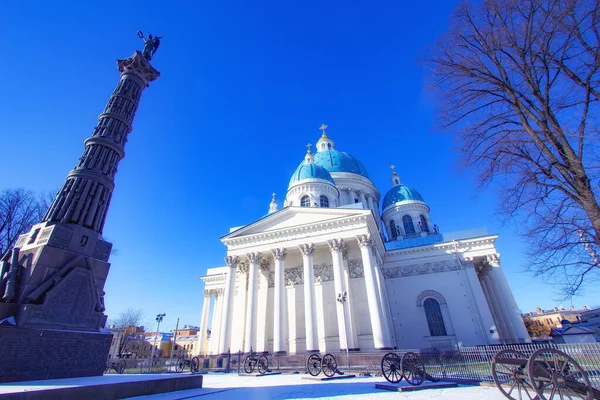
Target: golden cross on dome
{"points": [[273, 194], [323, 127], [308, 146], [393, 167]]}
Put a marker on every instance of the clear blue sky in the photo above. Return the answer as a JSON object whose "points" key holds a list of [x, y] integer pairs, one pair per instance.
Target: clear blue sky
{"points": [[243, 88]]}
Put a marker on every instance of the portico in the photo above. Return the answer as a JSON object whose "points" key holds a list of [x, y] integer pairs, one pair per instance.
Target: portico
{"points": [[338, 262]]}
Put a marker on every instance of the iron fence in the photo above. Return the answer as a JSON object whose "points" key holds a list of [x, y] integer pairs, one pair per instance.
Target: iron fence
{"points": [[463, 364]]}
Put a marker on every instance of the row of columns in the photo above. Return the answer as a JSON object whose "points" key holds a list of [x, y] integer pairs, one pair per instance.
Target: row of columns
{"points": [[346, 320], [347, 196]]}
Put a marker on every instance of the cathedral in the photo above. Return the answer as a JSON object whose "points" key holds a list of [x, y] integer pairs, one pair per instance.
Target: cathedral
{"points": [[333, 271]]}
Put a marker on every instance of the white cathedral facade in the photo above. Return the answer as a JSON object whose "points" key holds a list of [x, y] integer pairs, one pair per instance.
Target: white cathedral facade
{"points": [[330, 271]]}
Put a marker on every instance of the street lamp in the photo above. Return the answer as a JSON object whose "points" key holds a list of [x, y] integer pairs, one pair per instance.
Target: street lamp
{"points": [[159, 319], [342, 298]]}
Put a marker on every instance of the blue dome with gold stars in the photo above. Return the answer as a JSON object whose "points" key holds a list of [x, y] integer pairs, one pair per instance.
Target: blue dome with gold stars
{"points": [[339, 161], [400, 193]]}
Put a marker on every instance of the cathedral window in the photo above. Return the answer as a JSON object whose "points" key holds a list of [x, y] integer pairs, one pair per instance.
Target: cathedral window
{"points": [[434, 317], [329, 146], [324, 201], [424, 225], [305, 201], [393, 230], [409, 227]]}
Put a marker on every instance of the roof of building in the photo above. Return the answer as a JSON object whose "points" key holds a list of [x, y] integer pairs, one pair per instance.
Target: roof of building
{"points": [[310, 171], [571, 330], [339, 161], [400, 193]]}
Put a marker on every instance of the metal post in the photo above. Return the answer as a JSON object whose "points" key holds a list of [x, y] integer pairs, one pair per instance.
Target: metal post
{"points": [[174, 342], [159, 319]]}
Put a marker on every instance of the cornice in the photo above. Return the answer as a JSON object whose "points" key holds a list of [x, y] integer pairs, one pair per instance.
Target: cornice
{"points": [[298, 231], [458, 245]]}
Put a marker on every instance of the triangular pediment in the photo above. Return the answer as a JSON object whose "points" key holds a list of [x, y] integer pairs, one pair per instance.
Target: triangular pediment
{"points": [[291, 217]]}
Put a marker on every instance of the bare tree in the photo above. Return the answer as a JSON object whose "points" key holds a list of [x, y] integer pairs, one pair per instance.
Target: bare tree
{"points": [[19, 211], [127, 323], [518, 79]]}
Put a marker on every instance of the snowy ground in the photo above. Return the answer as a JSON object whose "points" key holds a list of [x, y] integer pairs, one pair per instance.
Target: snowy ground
{"points": [[233, 387]]}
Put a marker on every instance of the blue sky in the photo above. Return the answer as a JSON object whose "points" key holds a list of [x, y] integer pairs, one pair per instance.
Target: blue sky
{"points": [[243, 88]]}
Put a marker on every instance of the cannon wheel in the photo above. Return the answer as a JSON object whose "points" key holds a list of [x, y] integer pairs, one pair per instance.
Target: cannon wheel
{"points": [[180, 365], [390, 367], [413, 369], [248, 365], [194, 365], [263, 365], [329, 365], [313, 365], [556, 373], [120, 366], [511, 374]]}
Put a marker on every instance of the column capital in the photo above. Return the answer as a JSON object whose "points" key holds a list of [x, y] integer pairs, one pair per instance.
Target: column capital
{"points": [[279, 254], [365, 241], [232, 261], [255, 257], [207, 292], [307, 249], [335, 245], [493, 259]]}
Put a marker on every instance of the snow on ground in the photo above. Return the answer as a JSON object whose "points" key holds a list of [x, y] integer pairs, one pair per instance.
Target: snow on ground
{"points": [[289, 386]]}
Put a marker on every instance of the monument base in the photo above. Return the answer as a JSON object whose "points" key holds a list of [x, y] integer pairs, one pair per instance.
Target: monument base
{"points": [[35, 354]]}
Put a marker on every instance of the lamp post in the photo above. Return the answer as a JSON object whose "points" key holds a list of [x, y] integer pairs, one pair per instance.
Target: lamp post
{"points": [[159, 319], [342, 298]]}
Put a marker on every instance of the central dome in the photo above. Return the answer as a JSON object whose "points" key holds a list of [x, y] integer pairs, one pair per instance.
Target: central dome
{"points": [[339, 161]]}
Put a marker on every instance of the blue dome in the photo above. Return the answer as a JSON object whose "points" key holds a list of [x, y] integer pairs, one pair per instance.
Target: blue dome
{"points": [[400, 193], [310, 171], [338, 161]]}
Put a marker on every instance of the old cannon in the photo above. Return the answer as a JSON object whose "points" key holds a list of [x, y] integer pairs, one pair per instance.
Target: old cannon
{"points": [[193, 364], [315, 364], [546, 375], [409, 366], [252, 361]]}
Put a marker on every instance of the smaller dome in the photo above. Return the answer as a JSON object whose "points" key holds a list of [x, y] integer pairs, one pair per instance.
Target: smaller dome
{"points": [[310, 171], [400, 193]]}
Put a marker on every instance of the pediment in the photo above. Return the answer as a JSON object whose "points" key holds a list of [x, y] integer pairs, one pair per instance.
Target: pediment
{"points": [[291, 217]]}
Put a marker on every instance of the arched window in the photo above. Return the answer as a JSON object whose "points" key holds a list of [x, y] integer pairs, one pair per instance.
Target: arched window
{"points": [[305, 201], [324, 201], [329, 146], [424, 225], [434, 317], [393, 230], [409, 227]]}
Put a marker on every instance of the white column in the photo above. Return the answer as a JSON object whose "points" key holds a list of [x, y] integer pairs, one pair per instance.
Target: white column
{"points": [[310, 311], [352, 323], [383, 300], [218, 321], [511, 304], [225, 334], [366, 243], [254, 260], [488, 290], [279, 302], [203, 322], [336, 246], [362, 199], [351, 196], [263, 299]]}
